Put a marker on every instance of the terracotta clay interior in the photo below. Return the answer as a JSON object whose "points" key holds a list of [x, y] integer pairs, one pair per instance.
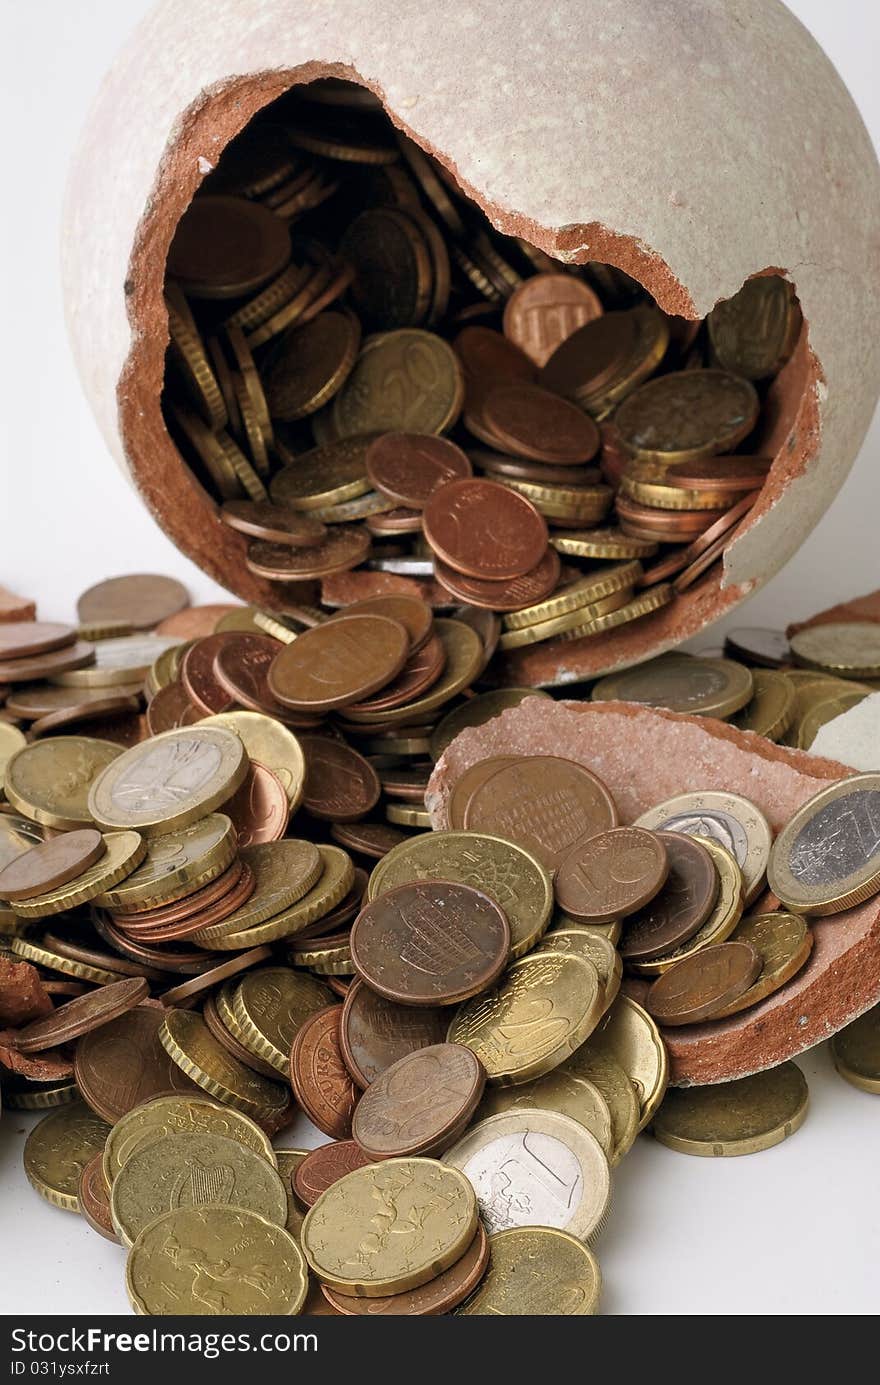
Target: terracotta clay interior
{"points": [[646, 756], [180, 496]]}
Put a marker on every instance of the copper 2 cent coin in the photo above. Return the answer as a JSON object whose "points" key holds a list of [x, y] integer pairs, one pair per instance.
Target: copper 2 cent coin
{"points": [[430, 943], [420, 1104], [51, 863], [197, 985], [339, 662], [24, 637], [531, 422], [324, 1166], [376, 1032], [84, 1013], [341, 786], [483, 529], [320, 1080], [680, 909], [122, 1064], [612, 874], [438, 1296], [699, 986], [409, 467], [543, 803]]}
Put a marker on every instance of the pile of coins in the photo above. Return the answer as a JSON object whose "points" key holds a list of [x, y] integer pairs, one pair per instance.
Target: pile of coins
{"points": [[370, 380], [207, 928]]}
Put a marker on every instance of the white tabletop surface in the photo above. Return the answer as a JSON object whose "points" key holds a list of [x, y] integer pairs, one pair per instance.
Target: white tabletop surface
{"points": [[793, 1230]]}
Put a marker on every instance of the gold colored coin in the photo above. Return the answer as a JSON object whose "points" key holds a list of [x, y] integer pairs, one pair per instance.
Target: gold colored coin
{"points": [[197, 1170], [189, 359], [39, 1098], [333, 883], [740, 1117], [269, 626], [820, 713], [347, 1236], [649, 340], [642, 605], [611, 931], [771, 710], [169, 781], [218, 1261], [187, 1039], [811, 689], [124, 852], [784, 943], [642, 482], [283, 871], [576, 620], [166, 667], [289, 1161], [271, 1005], [127, 659], [270, 744], [754, 332], [32, 951], [850, 649], [11, 740], [406, 381], [687, 415], [174, 1115], [856, 1051], [213, 450], [476, 712], [596, 948], [681, 683], [542, 1009], [327, 475], [536, 1168], [175, 865], [49, 781], [325, 961], [464, 661], [560, 1090], [58, 1149], [721, 922], [727, 818], [373, 503], [514, 878], [827, 857], [602, 543], [585, 592], [536, 1271], [629, 1034], [406, 815]]}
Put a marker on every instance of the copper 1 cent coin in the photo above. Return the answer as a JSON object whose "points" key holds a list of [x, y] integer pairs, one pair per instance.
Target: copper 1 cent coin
{"points": [[415, 616], [543, 427], [339, 662], [376, 1032], [141, 601], [341, 786], [511, 595], [260, 809], [260, 519], [93, 1197], [438, 1296], [543, 803], [51, 863], [409, 467], [320, 1080], [545, 309], [488, 359], [611, 875], [83, 1014], [241, 666], [483, 529], [324, 1166], [225, 247], [680, 909], [171, 707], [92, 711], [28, 668], [699, 986], [188, 961], [191, 903], [197, 674], [122, 1064], [420, 1104], [24, 637], [431, 943]]}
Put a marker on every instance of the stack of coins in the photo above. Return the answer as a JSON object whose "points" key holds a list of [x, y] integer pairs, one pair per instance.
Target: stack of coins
{"points": [[374, 383]]}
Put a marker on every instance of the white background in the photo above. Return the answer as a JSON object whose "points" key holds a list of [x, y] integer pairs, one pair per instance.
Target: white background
{"points": [[793, 1230]]}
